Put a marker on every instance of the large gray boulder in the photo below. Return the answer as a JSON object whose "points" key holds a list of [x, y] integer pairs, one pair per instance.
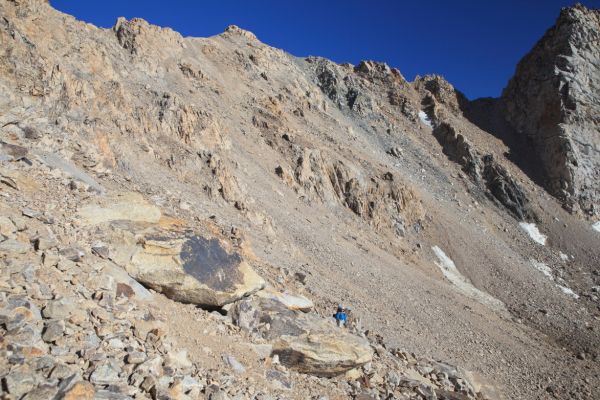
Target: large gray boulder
{"points": [[303, 341]]}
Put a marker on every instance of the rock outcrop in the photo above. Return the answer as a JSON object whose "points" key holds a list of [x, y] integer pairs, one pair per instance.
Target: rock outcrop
{"points": [[497, 182], [443, 104], [552, 103], [383, 200]]}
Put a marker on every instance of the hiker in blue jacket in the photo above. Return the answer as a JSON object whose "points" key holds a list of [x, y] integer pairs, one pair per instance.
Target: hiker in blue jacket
{"points": [[340, 317]]}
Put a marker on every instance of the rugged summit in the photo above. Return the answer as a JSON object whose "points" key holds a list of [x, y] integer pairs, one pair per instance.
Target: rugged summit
{"points": [[552, 104], [180, 217]]}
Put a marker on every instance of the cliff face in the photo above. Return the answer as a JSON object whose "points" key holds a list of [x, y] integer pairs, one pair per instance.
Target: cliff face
{"points": [[206, 168], [552, 101]]}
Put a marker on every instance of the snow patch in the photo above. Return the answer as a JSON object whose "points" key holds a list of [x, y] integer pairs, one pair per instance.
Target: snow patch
{"points": [[563, 256], [596, 226], [448, 268], [425, 118], [544, 269], [568, 291], [533, 232]]}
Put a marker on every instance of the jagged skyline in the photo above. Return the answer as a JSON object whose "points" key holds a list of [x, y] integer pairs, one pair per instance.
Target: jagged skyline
{"points": [[417, 38]]}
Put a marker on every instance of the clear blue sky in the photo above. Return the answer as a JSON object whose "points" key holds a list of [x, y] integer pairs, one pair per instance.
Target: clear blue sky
{"points": [[474, 44]]}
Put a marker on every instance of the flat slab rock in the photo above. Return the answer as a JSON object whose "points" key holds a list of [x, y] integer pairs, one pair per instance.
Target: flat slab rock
{"points": [[293, 302], [304, 342], [125, 285], [56, 162], [124, 207], [193, 269]]}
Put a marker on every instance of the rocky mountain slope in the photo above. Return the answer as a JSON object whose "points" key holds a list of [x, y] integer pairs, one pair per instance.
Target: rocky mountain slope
{"points": [[181, 216]]}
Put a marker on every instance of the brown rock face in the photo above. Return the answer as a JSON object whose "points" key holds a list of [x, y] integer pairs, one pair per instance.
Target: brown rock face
{"points": [[552, 102]]}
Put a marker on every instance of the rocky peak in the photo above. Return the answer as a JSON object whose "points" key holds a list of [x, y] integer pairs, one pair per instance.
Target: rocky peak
{"points": [[234, 30], [137, 34], [442, 91], [578, 15], [374, 70], [551, 102], [370, 67]]}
